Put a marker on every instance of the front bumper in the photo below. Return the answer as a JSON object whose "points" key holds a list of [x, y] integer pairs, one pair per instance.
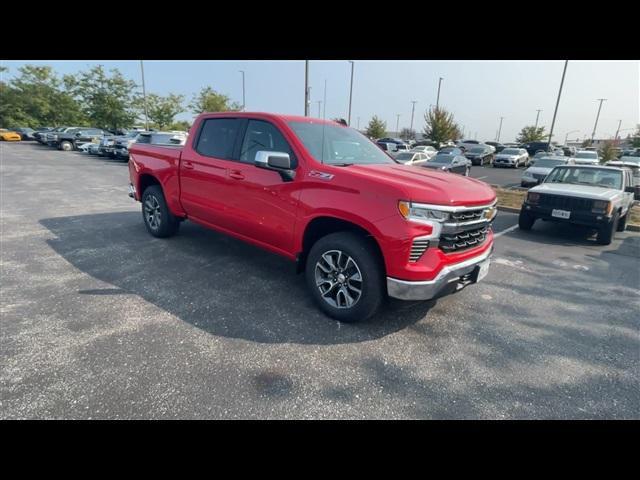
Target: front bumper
{"points": [[586, 219], [457, 275]]}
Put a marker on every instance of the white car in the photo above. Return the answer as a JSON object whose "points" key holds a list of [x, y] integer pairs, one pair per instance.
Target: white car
{"points": [[511, 157], [538, 172], [427, 150], [587, 157], [411, 158]]}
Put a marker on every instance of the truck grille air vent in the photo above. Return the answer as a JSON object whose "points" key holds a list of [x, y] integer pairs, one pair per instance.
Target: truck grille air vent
{"points": [[417, 249]]}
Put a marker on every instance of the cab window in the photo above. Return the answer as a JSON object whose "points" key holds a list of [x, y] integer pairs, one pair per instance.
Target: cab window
{"points": [[261, 135]]}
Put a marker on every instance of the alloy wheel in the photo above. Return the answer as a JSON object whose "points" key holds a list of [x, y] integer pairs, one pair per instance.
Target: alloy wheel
{"points": [[152, 212], [338, 279]]}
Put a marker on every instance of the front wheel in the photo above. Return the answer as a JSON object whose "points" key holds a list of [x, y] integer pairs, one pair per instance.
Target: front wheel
{"points": [[525, 221], [345, 276], [622, 223], [160, 222], [66, 146], [605, 234]]}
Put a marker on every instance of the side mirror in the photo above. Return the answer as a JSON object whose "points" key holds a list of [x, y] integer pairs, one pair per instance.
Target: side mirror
{"points": [[78, 134], [277, 161]]}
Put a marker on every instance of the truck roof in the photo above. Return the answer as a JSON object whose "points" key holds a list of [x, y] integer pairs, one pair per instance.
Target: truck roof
{"points": [[284, 117]]}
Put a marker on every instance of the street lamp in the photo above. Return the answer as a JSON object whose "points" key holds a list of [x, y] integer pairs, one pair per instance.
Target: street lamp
{"points": [[593, 134], [243, 100], [319, 102], [438, 98], [350, 93], [398, 124], [555, 111], [499, 130], [413, 107], [144, 98], [307, 101]]}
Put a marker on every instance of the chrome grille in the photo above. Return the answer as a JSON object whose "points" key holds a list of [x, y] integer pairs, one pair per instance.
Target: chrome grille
{"points": [[418, 247], [467, 216], [454, 242], [565, 203]]}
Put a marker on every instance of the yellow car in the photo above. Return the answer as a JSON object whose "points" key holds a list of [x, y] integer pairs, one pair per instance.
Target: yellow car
{"points": [[9, 136]]}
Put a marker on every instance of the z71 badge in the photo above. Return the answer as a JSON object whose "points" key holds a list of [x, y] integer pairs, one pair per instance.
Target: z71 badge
{"points": [[321, 175]]}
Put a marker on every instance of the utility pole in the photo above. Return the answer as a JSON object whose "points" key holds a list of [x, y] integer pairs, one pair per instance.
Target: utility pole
{"points": [[324, 108], [593, 134], [413, 108], [438, 98], [306, 88], [555, 111], [319, 102], [358, 127], [537, 116], [499, 130], [618, 130], [350, 94], [144, 99], [398, 124], [243, 98]]}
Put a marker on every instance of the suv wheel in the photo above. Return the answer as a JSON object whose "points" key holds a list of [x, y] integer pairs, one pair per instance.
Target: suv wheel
{"points": [[160, 222], [345, 276], [605, 234], [66, 145], [525, 221]]}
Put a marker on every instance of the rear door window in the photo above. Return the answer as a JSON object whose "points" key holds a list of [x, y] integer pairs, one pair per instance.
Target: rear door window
{"points": [[217, 137]]}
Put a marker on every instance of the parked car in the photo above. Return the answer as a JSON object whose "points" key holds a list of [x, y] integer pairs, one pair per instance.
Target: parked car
{"points": [[632, 164], [121, 146], [427, 150], [537, 156], [450, 163], [389, 147], [498, 147], [511, 157], [74, 138], [402, 147], [106, 147], [480, 154], [51, 137], [40, 133], [569, 151], [9, 136], [593, 196], [451, 151], [359, 226], [536, 173], [411, 158], [533, 147], [467, 144], [25, 133], [398, 141], [429, 143], [587, 157]]}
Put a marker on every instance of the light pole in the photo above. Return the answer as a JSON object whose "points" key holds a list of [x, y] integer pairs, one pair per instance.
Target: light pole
{"points": [[144, 98], [243, 98], [618, 130], [537, 116], [350, 93], [397, 124], [358, 127], [306, 88], [413, 108], [319, 102], [593, 134], [438, 98], [499, 130], [567, 135], [555, 111], [324, 108]]}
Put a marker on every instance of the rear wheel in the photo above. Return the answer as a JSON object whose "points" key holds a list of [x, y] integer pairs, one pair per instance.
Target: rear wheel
{"points": [[345, 276], [525, 221], [66, 146], [605, 234], [160, 222]]}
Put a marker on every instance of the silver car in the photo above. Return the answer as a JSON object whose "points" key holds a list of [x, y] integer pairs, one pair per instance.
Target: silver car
{"points": [[542, 167]]}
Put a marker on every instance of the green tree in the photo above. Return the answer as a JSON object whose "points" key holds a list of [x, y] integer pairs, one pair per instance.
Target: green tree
{"points": [[36, 97], [635, 140], [108, 100], [586, 143], [440, 125], [162, 110], [208, 100], [376, 128], [531, 134], [407, 134], [180, 125], [607, 151]]}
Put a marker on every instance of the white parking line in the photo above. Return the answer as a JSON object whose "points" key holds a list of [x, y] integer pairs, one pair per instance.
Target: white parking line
{"points": [[480, 178], [506, 230]]}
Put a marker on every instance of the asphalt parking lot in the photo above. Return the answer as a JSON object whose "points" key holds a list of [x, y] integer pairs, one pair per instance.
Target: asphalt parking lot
{"points": [[501, 176], [100, 320]]}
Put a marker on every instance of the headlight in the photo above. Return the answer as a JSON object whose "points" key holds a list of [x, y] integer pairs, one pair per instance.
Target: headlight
{"points": [[418, 213], [533, 197], [602, 206]]}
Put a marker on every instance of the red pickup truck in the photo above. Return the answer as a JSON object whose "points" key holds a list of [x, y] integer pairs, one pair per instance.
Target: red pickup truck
{"points": [[358, 224]]}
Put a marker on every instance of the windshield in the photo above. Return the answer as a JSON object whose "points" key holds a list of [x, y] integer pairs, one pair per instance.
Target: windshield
{"points": [[476, 150], [549, 162], [635, 160], [405, 156], [441, 159], [336, 145], [510, 151], [599, 177], [586, 155]]}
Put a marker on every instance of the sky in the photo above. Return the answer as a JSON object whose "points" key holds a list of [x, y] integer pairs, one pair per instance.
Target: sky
{"points": [[477, 92]]}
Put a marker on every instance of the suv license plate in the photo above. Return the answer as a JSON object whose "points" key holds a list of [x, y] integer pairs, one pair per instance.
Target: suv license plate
{"points": [[560, 213]]}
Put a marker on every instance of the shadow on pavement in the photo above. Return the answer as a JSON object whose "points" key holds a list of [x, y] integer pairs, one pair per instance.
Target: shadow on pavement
{"points": [[218, 284]]}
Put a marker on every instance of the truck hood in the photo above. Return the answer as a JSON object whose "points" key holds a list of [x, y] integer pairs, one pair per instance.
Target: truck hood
{"points": [[425, 185], [582, 191]]}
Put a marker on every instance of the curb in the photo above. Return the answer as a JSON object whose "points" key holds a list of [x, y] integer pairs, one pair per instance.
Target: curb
{"points": [[630, 227]]}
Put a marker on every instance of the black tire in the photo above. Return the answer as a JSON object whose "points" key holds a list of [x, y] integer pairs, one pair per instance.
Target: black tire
{"points": [[66, 145], [368, 267], [605, 234], [622, 223], [525, 221], [160, 222]]}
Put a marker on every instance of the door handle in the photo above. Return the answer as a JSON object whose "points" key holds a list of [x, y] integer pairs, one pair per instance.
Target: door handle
{"points": [[187, 165], [236, 174]]}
